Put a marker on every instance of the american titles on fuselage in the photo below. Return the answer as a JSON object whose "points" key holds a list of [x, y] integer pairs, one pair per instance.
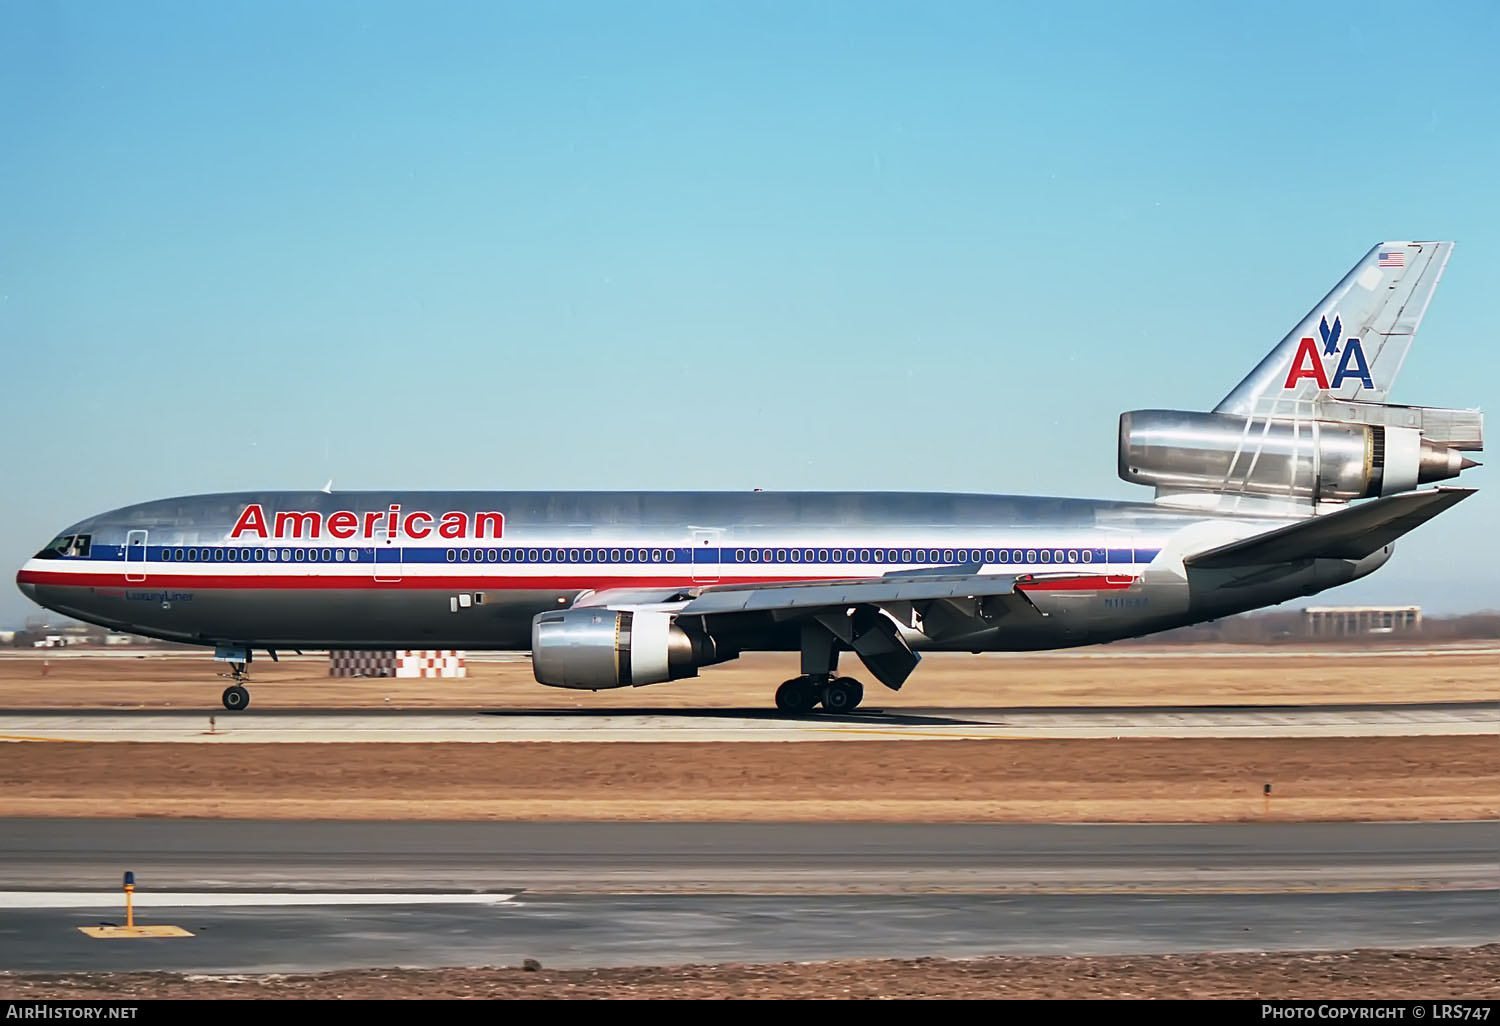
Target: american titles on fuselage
{"points": [[371, 524]]}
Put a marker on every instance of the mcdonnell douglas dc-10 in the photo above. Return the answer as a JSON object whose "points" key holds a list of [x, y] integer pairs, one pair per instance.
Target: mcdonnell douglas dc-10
{"points": [[1300, 479]]}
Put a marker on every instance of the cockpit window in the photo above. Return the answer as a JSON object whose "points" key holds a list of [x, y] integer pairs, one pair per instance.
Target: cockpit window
{"points": [[76, 545]]}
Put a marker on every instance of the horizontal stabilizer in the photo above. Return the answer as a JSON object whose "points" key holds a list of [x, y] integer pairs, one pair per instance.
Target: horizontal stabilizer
{"points": [[1351, 533]]}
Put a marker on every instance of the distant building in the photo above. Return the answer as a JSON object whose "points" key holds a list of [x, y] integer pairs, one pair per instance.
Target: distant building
{"points": [[1347, 621]]}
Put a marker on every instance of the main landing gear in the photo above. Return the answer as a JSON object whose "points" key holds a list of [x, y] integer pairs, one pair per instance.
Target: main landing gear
{"points": [[837, 695], [818, 683]]}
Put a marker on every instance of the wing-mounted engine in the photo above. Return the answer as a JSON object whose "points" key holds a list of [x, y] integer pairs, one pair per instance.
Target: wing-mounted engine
{"points": [[592, 649], [1348, 450]]}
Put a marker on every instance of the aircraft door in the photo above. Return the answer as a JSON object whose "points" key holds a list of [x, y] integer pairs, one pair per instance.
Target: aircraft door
{"points": [[705, 556], [135, 556], [1119, 554], [387, 554]]}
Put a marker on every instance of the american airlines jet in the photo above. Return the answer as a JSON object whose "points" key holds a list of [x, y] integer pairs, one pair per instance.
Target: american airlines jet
{"points": [[1300, 479]]}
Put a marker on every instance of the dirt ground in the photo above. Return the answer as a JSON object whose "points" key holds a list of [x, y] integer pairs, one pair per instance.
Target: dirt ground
{"points": [[1129, 780], [1437, 974], [1099, 676]]}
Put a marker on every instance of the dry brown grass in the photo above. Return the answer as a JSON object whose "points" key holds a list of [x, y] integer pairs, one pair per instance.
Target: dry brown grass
{"points": [[1118, 676], [1433, 974], [1139, 780]]}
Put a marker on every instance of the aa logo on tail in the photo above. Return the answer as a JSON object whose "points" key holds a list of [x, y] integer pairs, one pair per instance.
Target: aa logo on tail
{"points": [[1309, 363]]}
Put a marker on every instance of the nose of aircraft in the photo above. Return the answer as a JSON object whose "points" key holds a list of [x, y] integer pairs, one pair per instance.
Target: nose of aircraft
{"points": [[27, 589]]}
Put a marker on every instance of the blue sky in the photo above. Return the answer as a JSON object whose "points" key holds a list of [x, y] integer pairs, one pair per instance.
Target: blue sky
{"points": [[709, 245]]}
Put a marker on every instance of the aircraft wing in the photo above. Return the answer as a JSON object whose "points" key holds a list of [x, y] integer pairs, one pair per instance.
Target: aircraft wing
{"points": [[795, 597], [867, 615], [1351, 533]]}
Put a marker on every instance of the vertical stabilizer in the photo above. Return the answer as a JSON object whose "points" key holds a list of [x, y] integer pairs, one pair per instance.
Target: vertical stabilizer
{"points": [[1352, 344]]}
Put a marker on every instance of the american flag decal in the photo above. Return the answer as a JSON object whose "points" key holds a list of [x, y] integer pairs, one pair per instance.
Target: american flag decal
{"points": [[1392, 258]]}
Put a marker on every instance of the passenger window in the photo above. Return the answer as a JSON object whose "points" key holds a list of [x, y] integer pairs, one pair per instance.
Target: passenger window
{"points": [[1004, 556], [1046, 556], [338, 555], [452, 556], [822, 555], [671, 555]]}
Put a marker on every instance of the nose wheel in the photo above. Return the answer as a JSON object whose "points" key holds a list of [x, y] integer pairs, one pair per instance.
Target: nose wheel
{"points": [[236, 696]]}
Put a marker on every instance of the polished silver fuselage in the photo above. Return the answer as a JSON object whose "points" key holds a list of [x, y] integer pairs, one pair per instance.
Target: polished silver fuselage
{"points": [[358, 570]]}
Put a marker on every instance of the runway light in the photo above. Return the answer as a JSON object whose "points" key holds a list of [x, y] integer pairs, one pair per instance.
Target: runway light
{"points": [[130, 931]]}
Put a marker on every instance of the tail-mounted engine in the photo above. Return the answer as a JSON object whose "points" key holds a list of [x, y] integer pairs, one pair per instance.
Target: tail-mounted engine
{"points": [[1310, 460], [611, 648]]}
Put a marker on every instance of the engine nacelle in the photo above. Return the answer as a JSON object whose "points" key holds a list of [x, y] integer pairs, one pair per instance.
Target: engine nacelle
{"points": [[591, 649], [1178, 451]]}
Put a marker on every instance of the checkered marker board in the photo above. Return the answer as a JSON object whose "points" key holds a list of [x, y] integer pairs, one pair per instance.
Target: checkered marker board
{"points": [[429, 662], [407, 662], [345, 663]]}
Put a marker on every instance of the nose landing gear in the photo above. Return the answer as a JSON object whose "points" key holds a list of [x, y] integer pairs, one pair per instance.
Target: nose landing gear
{"points": [[236, 696]]}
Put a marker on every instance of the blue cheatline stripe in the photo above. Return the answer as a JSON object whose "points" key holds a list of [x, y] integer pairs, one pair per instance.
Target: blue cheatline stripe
{"points": [[625, 555]]}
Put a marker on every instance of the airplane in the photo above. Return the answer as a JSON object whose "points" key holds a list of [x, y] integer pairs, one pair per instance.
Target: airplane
{"points": [[1299, 480]]}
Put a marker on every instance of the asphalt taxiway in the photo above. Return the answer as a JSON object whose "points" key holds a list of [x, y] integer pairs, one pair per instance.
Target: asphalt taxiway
{"points": [[724, 725], [728, 892]]}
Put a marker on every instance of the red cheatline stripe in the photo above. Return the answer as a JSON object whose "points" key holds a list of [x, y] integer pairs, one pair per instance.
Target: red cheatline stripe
{"points": [[1078, 584]]}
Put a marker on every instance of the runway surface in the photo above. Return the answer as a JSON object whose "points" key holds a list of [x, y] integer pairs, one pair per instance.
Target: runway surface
{"points": [[972, 890], [720, 725], [692, 858], [594, 931]]}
